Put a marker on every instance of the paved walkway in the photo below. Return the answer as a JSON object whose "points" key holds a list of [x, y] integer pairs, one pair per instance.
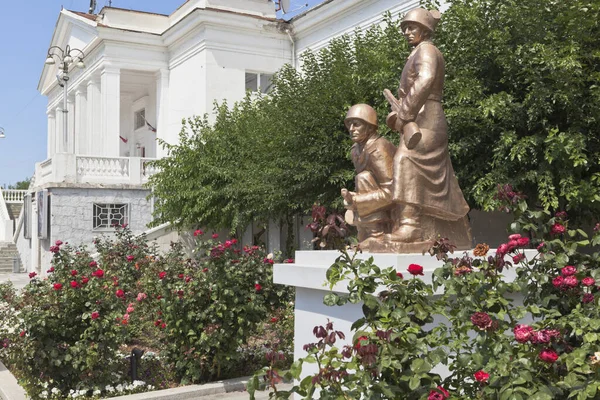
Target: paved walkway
{"points": [[18, 280]]}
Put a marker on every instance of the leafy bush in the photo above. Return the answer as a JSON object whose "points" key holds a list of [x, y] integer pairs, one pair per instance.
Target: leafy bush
{"points": [[208, 307], [493, 346]]}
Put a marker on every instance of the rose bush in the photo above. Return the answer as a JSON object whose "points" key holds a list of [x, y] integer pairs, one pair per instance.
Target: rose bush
{"points": [[536, 336], [208, 307]]}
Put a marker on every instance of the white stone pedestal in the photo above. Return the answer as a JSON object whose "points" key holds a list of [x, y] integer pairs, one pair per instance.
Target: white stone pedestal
{"points": [[308, 276]]}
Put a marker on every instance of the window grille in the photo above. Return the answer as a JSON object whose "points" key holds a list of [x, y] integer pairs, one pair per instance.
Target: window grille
{"points": [[107, 216]]}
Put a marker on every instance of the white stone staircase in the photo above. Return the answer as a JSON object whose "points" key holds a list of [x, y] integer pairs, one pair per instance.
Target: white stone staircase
{"points": [[8, 251]]}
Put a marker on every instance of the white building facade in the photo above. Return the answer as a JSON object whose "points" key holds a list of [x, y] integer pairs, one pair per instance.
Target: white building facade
{"points": [[144, 73]]}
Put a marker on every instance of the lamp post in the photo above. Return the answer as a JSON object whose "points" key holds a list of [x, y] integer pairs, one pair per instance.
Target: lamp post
{"points": [[2, 135], [65, 57]]}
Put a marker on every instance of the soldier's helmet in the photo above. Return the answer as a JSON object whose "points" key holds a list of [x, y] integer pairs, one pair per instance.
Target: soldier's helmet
{"points": [[428, 19], [363, 112]]}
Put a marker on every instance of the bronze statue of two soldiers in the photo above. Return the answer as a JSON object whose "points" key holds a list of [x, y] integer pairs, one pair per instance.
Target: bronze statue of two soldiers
{"points": [[407, 196]]}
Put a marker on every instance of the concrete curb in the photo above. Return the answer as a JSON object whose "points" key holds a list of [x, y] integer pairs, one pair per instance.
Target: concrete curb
{"points": [[9, 388], [191, 391]]}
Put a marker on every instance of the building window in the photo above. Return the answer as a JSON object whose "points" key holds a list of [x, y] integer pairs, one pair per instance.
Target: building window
{"points": [[139, 119], [259, 82], [107, 216]]}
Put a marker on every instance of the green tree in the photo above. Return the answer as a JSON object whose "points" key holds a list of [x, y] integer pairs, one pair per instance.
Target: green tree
{"points": [[521, 98]]}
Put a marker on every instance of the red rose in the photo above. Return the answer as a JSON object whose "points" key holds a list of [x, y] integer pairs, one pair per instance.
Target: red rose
{"points": [[74, 272], [561, 214], [180, 293], [188, 279], [482, 320], [522, 242], [215, 235], [588, 281], [54, 249], [257, 287], [84, 280], [522, 333], [74, 284], [481, 376], [359, 342], [93, 264], [162, 275], [180, 276], [32, 275], [163, 326], [289, 261], [198, 232], [98, 273], [234, 240], [120, 293], [95, 315], [22, 333], [518, 258], [58, 242], [438, 394], [274, 319], [557, 229], [228, 244], [57, 286], [541, 337], [399, 275], [512, 244], [587, 298], [548, 355], [415, 269], [568, 270], [50, 270], [130, 258], [157, 322], [205, 270]]}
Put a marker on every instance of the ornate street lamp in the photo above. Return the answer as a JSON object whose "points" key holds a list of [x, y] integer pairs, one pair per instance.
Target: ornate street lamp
{"points": [[65, 58]]}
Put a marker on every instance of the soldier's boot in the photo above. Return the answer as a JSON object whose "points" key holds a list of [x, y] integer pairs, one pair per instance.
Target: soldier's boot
{"points": [[407, 224]]}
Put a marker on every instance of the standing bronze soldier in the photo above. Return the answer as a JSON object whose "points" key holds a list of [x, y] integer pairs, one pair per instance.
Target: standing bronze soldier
{"points": [[424, 185]]}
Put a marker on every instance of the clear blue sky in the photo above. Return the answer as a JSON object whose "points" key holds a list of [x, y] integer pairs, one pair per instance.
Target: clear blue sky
{"points": [[26, 28]]}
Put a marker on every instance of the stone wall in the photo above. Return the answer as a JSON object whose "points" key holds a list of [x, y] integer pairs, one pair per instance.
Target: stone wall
{"points": [[71, 215]]}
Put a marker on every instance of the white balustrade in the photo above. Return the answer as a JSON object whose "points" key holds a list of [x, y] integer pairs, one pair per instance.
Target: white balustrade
{"points": [[110, 168], [13, 195], [147, 168], [45, 168]]}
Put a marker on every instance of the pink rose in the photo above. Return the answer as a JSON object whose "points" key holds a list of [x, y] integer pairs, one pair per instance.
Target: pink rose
{"points": [[503, 249], [518, 258], [32, 275], [522, 333], [558, 282], [162, 275], [588, 281], [522, 242], [571, 281], [58, 242], [289, 261], [142, 296], [568, 270], [438, 394], [50, 270], [557, 229], [514, 236], [257, 287], [215, 236], [130, 258], [198, 233]]}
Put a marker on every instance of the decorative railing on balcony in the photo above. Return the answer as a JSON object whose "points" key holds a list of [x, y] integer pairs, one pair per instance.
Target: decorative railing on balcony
{"points": [[13, 195], [76, 169], [92, 168]]}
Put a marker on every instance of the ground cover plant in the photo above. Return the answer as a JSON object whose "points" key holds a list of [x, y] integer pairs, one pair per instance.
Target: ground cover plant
{"points": [[493, 345], [68, 335]]}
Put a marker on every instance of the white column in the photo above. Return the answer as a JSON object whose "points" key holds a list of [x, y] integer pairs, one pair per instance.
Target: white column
{"points": [[162, 98], [71, 124], [81, 136], [93, 140], [110, 89], [59, 139], [51, 146]]}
